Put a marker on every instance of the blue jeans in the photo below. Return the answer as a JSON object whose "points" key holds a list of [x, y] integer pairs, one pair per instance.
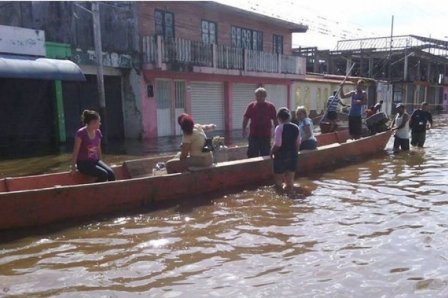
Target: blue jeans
{"points": [[96, 169], [259, 146]]}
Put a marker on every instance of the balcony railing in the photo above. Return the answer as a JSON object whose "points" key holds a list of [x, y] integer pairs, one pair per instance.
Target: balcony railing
{"points": [[187, 51], [230, 58], [158, 51], [149, 49], [262, 61]]}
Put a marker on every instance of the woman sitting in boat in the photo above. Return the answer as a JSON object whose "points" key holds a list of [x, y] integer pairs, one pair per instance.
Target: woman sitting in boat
{"points": [[193, 153], [284, 150], [308, 140], [87, 149]]}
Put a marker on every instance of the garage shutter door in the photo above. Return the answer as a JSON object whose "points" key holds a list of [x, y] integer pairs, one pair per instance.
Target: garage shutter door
{"points": [[278, 95], [242, 94], [207, 103]]}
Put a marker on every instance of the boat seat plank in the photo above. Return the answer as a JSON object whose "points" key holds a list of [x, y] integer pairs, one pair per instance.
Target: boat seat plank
{"points": [[231, 163], [120, 173], [328, 146], [194, 169], [3, 187], [142, 167]]}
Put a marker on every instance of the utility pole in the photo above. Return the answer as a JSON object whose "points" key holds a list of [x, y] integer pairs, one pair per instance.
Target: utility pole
{"points": [[390, 59], [99, 65]]}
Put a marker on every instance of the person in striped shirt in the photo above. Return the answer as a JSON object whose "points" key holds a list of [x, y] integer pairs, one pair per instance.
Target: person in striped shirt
{"points": [[332, 106]]}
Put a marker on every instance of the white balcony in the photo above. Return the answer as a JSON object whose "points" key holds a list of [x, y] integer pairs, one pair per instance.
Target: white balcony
{"points": [[183, 54]]}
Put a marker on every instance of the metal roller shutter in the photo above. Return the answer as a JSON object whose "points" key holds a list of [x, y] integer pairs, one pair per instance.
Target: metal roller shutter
{"points": [[207, 103], [242, 94], [278, 95]]}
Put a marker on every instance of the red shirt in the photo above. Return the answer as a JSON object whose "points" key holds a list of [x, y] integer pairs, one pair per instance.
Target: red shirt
{"points": [[260, 115]]}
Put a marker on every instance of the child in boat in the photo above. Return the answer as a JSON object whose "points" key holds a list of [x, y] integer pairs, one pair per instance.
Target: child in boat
{"points": [[87, 149], [193, 153], [284, 151]]}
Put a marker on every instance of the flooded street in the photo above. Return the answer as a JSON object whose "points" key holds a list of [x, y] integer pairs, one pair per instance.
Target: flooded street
{"points": [[373, 229]]}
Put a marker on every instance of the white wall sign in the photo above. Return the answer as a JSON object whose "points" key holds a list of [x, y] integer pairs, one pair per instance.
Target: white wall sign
{"points": [[22, 41]]}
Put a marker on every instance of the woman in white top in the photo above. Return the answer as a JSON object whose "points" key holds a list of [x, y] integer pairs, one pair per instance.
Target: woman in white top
{"points": [[192, 149], [307, 139], [401, 128]]}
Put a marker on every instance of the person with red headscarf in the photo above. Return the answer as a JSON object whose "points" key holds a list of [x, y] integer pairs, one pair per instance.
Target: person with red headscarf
{"points": [[192, 152]]}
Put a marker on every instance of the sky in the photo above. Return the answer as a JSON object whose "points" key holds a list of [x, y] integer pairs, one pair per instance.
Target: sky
{"points": [[333, 20]]}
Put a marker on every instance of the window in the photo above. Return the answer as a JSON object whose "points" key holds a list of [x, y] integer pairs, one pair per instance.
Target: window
{"points": [[179, 94], [247, 38], [277, 44], [236, 37], [164, 23], [209, 34]]}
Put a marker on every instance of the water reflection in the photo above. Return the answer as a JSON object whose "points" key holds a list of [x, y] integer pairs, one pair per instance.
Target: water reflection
{"points": [[376, 229]]}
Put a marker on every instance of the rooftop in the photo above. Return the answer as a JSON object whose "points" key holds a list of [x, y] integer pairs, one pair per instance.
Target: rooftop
{"points": [[403, 42], [293, 27]]}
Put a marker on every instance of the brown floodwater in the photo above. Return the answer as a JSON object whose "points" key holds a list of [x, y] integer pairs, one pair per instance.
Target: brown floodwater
{"points": [[374, 229]]}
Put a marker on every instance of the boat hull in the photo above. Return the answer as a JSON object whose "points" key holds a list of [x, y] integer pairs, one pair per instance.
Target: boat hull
{"points": [[22, 207]]}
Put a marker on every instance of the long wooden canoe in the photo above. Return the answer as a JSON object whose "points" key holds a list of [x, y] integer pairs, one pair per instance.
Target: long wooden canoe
{"points": [[43, 199]]}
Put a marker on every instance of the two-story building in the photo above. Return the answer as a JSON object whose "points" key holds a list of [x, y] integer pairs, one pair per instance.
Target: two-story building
{"points": [[206, 59], [160, 59]]}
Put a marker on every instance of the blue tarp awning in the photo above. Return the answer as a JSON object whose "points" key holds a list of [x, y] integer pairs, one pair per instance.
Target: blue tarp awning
{"points": [[39, 68]]}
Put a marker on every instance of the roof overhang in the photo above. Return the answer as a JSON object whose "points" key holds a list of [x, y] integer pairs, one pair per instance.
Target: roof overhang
{"points": [[24, 67]]}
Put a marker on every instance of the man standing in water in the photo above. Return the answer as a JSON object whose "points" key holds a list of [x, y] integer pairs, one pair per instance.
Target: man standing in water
{"points": [[261, 114], [401, 128], [359, 99], [421, 120]]}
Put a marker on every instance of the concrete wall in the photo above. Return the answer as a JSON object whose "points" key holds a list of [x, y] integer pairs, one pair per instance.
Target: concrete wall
{"points": [[66, 22], [132, 106]]}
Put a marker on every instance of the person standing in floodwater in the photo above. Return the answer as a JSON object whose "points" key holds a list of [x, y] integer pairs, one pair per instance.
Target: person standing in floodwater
{"points": [[261, 114], [421, 120], [87, 152], [401, 127], [284, 151], [359, 98]]}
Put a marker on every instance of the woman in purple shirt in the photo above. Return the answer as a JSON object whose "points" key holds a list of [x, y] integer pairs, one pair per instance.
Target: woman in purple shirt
{"points": [[87, 149]]}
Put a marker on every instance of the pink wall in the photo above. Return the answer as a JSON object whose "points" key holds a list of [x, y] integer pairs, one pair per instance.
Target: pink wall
{"points": [[149, 107], [149, 110], [228, 102]]}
